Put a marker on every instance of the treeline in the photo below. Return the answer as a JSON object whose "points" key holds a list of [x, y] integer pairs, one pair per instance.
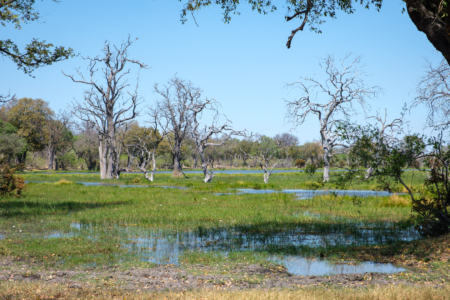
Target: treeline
{"points": [[33, 136]]}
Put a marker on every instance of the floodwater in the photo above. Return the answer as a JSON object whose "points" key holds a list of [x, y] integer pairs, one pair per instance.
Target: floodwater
{"points": [[159, 247], [308, 194], [118, 185], [284, 243]]}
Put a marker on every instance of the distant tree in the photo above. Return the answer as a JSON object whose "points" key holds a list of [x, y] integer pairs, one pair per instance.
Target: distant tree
{"points": [[202, 134], [344, 88], [142, 144], [265, 151], [433, 91], [30, 117], [57, 135], [85, 144], [107, 106], [178, 97], [245, 147], [11, 144], [311, 151]]}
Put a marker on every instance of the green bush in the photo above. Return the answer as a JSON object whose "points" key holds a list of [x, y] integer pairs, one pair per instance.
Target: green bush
{"points": [[310, 169], [67, 161], [300, 163], [10, 185]]}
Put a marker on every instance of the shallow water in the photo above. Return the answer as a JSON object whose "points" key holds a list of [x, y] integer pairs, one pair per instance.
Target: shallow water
{"points": [[118, 185], [280, 243], [306, 267], [308, 194]]}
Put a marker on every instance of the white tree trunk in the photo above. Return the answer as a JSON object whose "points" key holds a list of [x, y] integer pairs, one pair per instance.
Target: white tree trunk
{"points": [[209, 177], [326, 167], [369, 172], [266, 177], [103, 152]]}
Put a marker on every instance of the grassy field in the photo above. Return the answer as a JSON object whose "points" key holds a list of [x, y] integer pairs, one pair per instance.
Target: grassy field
{"points": [[62, 224]]}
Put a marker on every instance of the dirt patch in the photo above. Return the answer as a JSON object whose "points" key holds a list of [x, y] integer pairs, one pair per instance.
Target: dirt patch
{"points": [[174, 278]]}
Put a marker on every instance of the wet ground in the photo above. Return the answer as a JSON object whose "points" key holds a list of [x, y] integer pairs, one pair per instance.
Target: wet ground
{"points": [[174, 278]]}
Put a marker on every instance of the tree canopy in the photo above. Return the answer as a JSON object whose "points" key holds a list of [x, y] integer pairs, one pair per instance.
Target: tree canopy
{"points": [[431, 17], [36, 53]]}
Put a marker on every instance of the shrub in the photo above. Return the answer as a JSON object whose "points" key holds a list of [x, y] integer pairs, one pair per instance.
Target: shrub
{"points": [[314, 185], [300, 163], [395, 201], [310, 169], [136, 180], [10, 185], [67, 161]]}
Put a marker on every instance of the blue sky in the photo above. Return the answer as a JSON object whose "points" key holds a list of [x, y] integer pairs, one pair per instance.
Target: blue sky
{"points": [[245, 65]]}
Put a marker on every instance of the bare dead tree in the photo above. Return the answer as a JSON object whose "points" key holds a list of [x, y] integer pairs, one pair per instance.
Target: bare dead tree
{"points": [[111, 105], [433, 91], [203, 134], [144, 147], [343, 87], [264, 155], [178, 99]]}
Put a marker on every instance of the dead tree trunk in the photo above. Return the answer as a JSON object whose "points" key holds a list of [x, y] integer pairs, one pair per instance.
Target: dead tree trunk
{"points": [[101, 104], [343, 87]]}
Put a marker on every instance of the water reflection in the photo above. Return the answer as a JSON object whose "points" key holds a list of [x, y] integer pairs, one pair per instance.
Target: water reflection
{"points": [[308, 194], [168, 248], [113, 184], [306, 267]]}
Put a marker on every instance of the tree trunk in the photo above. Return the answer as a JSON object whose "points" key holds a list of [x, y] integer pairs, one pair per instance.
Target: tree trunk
{"points": [[103, 155], [56, 163], [208, 175], [50, 157], [369, 172], [266, 176], [177, 170], [195, 161], [231, 160], [326, 165], [427, 20], [21, 158]]}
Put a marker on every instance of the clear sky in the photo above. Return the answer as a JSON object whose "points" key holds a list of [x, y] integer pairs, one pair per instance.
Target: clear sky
{"points": [[245, 65]]}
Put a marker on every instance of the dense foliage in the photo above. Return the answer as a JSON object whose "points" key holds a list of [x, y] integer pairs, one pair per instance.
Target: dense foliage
{"points": [[10, 185]]}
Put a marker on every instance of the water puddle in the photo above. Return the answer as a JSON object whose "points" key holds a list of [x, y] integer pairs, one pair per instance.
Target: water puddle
{"points": [[307, 267]]}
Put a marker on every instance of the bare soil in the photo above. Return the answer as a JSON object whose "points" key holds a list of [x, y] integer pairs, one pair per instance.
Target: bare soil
{"points": [[183, 278]]}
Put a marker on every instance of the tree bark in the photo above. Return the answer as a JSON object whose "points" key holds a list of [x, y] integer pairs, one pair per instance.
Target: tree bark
{"points": [[266, 176], [50, 157], [428, 21], [177, 169], [103, 155], [326, 156]]}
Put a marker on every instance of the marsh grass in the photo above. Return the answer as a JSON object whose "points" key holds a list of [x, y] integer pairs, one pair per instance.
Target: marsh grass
{"points": [[227, 182], [40, 226]]}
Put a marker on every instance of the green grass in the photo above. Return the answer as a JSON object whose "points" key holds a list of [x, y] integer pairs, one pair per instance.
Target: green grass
{"points": [[225, 182], [64, 223]]}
